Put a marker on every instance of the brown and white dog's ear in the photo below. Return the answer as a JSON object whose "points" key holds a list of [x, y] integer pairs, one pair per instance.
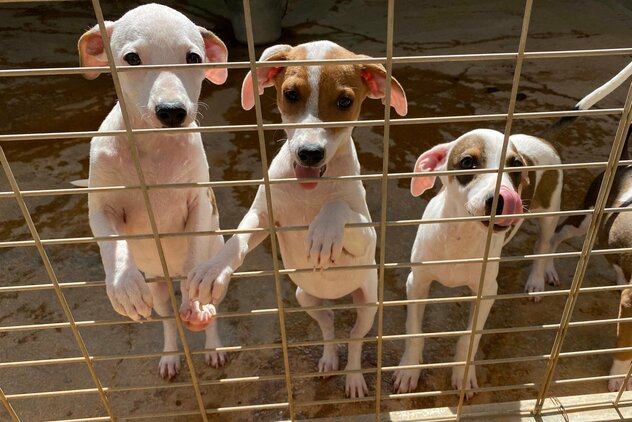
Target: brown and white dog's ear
{"points": [[265, 75], [91, 49], [374, 77], [216, 52], [431, 160]]}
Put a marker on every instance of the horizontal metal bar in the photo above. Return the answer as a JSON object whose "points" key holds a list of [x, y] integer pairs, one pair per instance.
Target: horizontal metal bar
{"points": [[65, 136]]}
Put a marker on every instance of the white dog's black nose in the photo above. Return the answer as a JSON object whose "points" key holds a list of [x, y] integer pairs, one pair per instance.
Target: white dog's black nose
{"points": [[499, 205], [310, 156], [171, 114]]}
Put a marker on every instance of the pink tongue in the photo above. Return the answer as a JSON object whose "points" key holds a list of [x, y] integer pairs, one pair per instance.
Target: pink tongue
{"points": [[307, 172], [512, 204]]}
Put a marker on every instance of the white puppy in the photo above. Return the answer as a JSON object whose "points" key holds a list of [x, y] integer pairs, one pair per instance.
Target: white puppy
{"points": [[150, 35], [314, 94], [471, 195]]}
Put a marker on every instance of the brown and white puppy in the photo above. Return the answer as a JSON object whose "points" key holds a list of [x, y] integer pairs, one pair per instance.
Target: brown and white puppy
{"points": [[615, 230], [472, 195], [313, 94]]}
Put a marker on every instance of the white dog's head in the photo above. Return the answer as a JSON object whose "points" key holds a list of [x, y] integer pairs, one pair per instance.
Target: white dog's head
{"points": [[314, 94], [155, 35], [473, 193]]}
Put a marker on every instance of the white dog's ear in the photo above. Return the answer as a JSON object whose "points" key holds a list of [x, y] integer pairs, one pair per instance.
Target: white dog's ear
{"points": [[431, 160], [91, 49], [374, 77], [265, 75], [216, 52]]}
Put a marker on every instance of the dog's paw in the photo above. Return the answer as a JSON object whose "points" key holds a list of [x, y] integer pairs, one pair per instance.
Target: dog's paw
{"points": [[169, 366], [325, 236], [458, 373], [129, 294], [619, 367], [329, 361], [208, 281], [533, 286], [215, 359], [405, 380], [551, 277], [355, 386], [195, 316]]}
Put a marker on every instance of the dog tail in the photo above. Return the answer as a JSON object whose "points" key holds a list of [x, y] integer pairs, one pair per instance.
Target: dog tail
{"points": [[590, 100], [81, 183]]}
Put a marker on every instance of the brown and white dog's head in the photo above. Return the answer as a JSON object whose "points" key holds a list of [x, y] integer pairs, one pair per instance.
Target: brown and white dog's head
{"points": [[153, 34], [473, 193], [313, 94]]}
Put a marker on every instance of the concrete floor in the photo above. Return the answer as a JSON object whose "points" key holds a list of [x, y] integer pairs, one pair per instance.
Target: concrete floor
{"points": [[45, 35]]}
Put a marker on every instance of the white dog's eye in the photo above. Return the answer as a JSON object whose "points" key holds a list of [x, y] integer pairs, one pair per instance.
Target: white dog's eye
{"points": [[193, 58], [344, 102], [132, 59], [466, 162]]}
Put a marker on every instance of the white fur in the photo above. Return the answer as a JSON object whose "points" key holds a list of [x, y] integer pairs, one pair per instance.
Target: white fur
{"points": [[463, 240], [160, 35], [601, 92], [326, 209]]}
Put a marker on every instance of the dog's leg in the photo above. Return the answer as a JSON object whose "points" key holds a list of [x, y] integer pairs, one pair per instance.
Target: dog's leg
{"points": [[543, 269], [417, 287], [622, 359], [169, 366], [490, 288], [327, 235], [355, 383], [325, 319]]}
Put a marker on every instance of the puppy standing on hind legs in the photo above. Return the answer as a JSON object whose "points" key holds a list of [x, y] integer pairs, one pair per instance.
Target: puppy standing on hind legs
{"points": [[154, 34], [314, 94], [472, 195]]}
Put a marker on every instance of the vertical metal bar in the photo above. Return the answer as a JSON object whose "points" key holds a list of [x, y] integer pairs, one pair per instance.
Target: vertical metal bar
{"points": [[584, 257], [7, 405], [266, 181], [53, 277], [623, 386], [501, 165], [150, 212], [384, 204]]}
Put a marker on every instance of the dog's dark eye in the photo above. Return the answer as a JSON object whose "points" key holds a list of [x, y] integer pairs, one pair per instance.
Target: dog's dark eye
{"points": [[291, 95], [344, 102], [132, 59], [516, 162], [466, 162], [193, 58]]}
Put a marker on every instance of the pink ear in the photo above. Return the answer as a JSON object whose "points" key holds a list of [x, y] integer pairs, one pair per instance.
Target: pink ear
{"points": [[265, 78], [428, 161], [216, 52], [92, 50], [374, 77]]}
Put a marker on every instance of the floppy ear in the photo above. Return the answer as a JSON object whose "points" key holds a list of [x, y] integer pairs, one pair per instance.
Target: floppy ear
{"points": [[216, 52], [91, 49], [374, 76], [431, 160], [265, 75]]}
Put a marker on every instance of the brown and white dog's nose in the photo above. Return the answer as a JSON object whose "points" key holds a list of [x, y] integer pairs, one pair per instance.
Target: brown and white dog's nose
{"points": [[499, 205], [171, 114], [310, 156]]}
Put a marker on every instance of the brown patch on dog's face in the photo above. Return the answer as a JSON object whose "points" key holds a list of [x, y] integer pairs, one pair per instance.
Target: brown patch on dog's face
{"points": [[292, 85], [467, 155]]}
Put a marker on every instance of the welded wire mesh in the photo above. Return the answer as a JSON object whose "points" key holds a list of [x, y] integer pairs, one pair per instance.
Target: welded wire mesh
{"points": [[291, 406]]}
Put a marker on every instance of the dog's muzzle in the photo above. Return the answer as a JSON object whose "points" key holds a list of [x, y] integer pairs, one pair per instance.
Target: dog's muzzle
{"points": [[309, 165], [509, 202], [303, 172]]}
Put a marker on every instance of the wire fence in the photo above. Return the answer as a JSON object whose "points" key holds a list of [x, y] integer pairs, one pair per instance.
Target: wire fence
{"points": [[291, 405]]}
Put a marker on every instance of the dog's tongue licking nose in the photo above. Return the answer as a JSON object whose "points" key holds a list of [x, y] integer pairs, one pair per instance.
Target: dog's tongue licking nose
{"points": [[307, 172], [512, 204]]}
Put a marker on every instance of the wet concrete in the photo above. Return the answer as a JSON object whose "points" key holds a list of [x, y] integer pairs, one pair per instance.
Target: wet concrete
{"points": [[43, 35]]}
